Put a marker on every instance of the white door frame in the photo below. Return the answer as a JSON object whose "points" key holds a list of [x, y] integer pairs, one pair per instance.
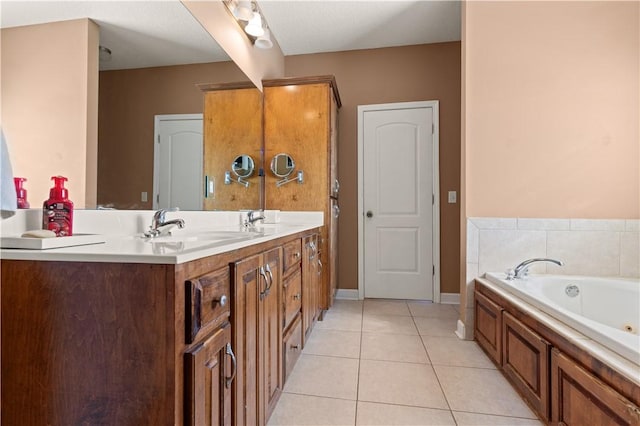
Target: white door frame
{"points": [[435, 190], [156, 152]]}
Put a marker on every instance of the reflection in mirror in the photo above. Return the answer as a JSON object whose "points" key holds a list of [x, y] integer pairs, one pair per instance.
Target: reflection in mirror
{"points": [[282, 165], [243, 167]]}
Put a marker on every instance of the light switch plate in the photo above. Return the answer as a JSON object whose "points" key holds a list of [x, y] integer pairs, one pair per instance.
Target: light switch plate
{"points": [[453, 197], [143, 196]]}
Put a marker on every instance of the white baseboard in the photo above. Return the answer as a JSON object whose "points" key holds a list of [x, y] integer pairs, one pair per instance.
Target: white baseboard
{"points": [[450, 298], [347, 294]]}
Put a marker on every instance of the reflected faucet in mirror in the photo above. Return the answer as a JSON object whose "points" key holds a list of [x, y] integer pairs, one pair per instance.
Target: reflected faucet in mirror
{"points": [[242, 167], [282, 166]]}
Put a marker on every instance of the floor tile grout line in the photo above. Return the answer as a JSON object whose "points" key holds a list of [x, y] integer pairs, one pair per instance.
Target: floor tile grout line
{"points": [[355, 420], [496, 415]]}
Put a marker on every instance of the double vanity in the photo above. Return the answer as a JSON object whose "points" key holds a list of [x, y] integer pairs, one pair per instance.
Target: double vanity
{"points": [[198, 327]]}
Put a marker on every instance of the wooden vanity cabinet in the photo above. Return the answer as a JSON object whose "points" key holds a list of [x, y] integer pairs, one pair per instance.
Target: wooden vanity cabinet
{"points": [[257, 336], [210, 364]]}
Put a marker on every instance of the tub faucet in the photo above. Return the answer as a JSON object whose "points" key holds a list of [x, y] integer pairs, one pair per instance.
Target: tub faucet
{"points": [[160, 226], [522, 270]]}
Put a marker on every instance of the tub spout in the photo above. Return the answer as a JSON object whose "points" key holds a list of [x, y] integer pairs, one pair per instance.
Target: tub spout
{"points": [[522, 270]]}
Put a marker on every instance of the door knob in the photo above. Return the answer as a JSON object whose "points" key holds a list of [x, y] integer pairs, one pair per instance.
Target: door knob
{"points": [[369, 213]]}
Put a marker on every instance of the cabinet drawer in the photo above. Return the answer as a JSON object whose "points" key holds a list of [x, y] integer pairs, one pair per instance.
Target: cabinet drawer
{"points": [[207, 303], [292, 252], [292, 296], [292, 345]]}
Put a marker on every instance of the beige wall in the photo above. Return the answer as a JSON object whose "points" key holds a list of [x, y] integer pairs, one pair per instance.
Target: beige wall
{"points": [[49, 106], [552, 109], [130, 98]]}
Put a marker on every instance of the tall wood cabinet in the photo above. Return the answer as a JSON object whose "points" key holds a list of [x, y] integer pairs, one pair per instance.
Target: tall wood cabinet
{"points": [[296, 116], [301, 119]]}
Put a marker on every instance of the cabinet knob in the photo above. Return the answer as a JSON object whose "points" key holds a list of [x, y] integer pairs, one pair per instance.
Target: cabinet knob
{"points": [[295, 347], [296, 255], [296, 296], [223, 300]]}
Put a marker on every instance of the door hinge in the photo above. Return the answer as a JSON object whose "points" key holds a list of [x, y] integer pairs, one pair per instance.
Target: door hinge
{"points": [[433, 270], [158, 139], [433, 128], [433, 199], [157, 198]]}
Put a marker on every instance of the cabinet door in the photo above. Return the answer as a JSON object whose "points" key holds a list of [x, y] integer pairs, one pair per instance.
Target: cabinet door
{"points": [[209, 372], [248, 284], [232, 127], [309, 284], [525, 360], [488, 326], [579, 398], [271, 332]]}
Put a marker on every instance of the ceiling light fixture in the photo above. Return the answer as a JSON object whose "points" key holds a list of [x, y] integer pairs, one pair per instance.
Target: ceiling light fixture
{"points": [[264, 41], [250, 19], [104, 54]]}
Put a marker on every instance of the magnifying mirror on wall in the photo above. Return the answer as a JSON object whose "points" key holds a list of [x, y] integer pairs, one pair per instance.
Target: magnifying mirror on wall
{"points": [[243, 167], [282, 165]]}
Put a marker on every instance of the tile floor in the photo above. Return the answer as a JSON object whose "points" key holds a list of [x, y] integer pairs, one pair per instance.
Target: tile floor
{"points": [[382, 362]]}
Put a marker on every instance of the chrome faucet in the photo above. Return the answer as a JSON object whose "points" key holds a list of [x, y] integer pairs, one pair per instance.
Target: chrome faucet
{"points": [[252, 217], [160, 226], [522, 270]]}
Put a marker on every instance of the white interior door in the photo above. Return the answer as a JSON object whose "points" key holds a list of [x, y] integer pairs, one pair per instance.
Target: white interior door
{"points": [[178, 162], [398, 200]]}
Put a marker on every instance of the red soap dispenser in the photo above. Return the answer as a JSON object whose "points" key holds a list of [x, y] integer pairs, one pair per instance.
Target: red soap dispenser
{"points": [[21, 193], [57, 211]]}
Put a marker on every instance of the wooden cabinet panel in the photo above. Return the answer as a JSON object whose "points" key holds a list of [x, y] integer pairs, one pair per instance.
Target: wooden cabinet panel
{"points": [[579, 398], [209, 373], [291, 255], [248, 284], [232, 127], [292, 344], [525, 360], [271, 334], [310, 284], [292, 296], [257, 325], [208, 303], [488, 326]]}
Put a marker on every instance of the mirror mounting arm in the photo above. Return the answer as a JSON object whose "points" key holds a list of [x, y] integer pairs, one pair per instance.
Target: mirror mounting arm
{"points": [[299, 178], [228, 180]]}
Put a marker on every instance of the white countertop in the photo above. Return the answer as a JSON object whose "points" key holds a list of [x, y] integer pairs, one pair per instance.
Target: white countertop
{"points": [[205, 234]]}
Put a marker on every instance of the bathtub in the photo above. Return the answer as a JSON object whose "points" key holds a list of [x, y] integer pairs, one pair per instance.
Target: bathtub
{"points": [[606, 310]]}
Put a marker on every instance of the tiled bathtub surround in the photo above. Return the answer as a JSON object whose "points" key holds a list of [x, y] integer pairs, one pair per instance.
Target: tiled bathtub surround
{"points": [[595, 247]]}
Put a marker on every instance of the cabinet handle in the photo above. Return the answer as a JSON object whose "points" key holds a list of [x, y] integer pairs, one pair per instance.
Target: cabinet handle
{"points": [[295, 347], [319, 267], [229, 352], [296, 296], [223, 300], [263, 274], [268, 269], [296, 255]]}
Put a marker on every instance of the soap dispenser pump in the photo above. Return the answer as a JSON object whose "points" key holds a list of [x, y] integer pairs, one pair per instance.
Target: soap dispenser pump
{"points": [[21, 193], [57, 211]]}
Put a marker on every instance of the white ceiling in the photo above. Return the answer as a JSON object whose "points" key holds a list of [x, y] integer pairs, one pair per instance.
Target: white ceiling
{"points": [[155, 33]]}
